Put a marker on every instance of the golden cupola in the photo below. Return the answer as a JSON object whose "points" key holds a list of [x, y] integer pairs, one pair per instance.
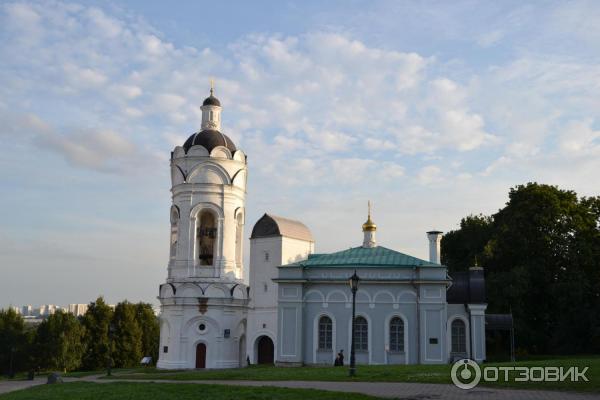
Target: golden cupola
{"points": [[369, 225], [369, 229]]}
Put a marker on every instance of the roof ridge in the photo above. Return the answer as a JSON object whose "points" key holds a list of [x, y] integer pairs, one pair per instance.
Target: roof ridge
{"points": [[285, 218], [223, 136], [375, 256]]}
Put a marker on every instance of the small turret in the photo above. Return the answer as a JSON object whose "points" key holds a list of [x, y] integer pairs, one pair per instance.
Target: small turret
{"points": [[369, 228], [211, 111]]}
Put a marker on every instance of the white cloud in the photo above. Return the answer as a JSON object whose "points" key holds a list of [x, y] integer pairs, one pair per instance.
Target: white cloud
{"points": [[96, 149], [579, 138], [351, 170], [81, 77], [22, 14], [390, 171], [429, 175], [105, 26], [100, 150], [379, 144], [490, 38], [324, 117], [501, 162], [462, 129], [127, 91]]}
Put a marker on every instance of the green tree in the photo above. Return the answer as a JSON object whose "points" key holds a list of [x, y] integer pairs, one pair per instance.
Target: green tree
{"points": [[59, 342], [12, 342], [150, 327], [128, 336], [467, 245], [541, 255], [96, 322]]}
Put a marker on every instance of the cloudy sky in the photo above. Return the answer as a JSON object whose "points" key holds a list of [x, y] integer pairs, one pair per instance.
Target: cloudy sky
{"points": [[432, 110]]}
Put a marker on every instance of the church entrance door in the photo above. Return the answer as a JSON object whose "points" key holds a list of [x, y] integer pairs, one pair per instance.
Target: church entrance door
{"points": [[266, 350], [201, 355]]}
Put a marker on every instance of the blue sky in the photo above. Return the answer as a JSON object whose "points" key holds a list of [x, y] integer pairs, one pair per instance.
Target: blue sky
{"points": [[432, 110]]}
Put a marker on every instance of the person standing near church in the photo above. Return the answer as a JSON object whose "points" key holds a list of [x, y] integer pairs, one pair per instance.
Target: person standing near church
{"points": [[339, 360]]}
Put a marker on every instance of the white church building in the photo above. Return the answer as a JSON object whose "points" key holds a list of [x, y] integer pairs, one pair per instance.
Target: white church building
{"points": [[290, 306]]}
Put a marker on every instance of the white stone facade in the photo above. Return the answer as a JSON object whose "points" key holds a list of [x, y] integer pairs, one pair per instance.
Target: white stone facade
{"points": [[267, 252], [204, 300]]}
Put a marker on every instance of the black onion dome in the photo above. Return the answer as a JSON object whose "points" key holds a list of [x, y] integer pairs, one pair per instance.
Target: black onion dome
{"points": [[209, 139], [211, 101]]}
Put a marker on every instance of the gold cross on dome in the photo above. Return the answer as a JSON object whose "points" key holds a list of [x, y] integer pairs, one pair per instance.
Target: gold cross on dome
{"points": [[212, 86]]}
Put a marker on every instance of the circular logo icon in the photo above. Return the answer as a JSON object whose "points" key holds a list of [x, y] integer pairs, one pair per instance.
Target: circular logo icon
{"points": [[465, 374]]}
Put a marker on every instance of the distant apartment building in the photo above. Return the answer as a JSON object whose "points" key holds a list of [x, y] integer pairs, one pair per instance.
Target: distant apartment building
{"points": [[46, 310], [43, 311], [77, 309]]}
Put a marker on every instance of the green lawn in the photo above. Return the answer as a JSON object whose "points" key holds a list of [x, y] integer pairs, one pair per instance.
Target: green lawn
{"points": [[381, 373], [165, 391]]}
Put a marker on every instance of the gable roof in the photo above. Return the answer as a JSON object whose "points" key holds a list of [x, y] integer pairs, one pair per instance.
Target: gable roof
{"points": [[362, 256], [270, 225]]}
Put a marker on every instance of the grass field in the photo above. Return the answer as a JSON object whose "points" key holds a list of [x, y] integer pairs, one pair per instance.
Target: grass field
{"points": [[380, 373], [167, 391]]}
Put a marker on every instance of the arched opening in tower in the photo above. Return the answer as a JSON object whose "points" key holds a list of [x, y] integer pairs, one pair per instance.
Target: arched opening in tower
{"points": [[206, 237]]}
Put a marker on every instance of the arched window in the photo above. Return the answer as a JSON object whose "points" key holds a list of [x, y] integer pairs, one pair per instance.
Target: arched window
{"points": [[361, 334], [238, 240], [174, 230], [396, 334], [206, 234], [459, 337], [325, 333]]}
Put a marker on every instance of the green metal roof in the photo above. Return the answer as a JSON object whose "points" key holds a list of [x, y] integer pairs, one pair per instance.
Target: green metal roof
{"points": [[376, 257]]}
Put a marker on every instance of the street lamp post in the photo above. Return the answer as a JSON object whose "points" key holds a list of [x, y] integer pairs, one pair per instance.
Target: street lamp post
{"points": [[354, 287], [111, 332]]}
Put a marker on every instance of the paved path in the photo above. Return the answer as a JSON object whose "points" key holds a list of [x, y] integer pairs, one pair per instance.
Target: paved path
{"points": [[11, 386], [396, 390]]}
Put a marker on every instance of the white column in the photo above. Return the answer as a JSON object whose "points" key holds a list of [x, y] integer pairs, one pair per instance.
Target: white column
{"points": [[477, 324]]}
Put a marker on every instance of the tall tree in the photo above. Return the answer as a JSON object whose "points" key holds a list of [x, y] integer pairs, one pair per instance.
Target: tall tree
{"points": [[96, 322], [541, 255], [59, 342], [128, 336], [12, 341], [467, 245], [150, 328]]}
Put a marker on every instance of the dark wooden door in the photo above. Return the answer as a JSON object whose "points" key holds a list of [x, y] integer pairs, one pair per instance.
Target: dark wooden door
{"points": [[201, 355], [266, 350]]}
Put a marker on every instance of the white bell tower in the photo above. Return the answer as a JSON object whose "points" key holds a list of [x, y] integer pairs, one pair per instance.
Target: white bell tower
{"points": [[204, 299]]}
